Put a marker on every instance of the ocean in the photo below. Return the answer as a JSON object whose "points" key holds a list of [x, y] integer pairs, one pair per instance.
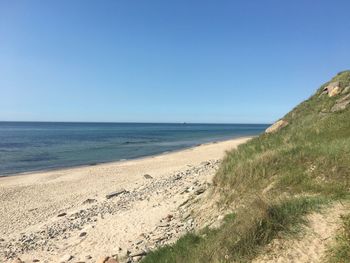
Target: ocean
{"points": [[35, 146]]}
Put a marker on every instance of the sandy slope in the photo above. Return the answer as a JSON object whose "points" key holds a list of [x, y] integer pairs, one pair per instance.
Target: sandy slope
{"points": [[311, 247], [29, 204]]}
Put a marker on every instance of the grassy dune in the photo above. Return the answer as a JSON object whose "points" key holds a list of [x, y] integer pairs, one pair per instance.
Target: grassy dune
{"points": [[276, 179]]}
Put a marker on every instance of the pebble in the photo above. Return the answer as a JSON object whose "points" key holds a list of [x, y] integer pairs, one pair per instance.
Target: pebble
{"points": [[163, 225], [17, 260], [89, 201], [169, 218], [147, 176], [138, 253], [102, 260], [62, 214], [66, 258], [116, 193], [200, 190]]}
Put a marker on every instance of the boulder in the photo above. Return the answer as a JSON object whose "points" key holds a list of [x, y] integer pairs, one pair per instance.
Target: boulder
{"points": [[334, 92], [276, 126], [332, 89]]}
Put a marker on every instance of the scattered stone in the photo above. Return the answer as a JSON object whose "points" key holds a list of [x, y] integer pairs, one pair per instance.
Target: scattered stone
{"points": [[190, 221], [138, 242], [158, 238], [138, 253], [88, 257], [111, 260], [147, 176], [189, 189], [66, 258], [61, 214], [332, 89], [200, 190], [334, 92], [168, 230], [184, 202], [137, 258], [82, 234], [276, 126], [107, 260], [17, 260], [116, 193], [169, 218], [186, 215], [36, 260], [163, 225], [102, 260], [89, 201]]}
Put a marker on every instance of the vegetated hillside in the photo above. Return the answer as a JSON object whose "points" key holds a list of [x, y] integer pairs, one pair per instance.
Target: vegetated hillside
{"points": [[272, 181]]}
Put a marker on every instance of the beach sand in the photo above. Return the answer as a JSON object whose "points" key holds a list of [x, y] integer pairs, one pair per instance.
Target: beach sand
{"points": [[65, 213]]}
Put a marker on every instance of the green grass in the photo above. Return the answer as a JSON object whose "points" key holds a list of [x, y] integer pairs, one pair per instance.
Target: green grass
{"points": [[340, 252], [306, 162], [179, 252], [240, 237]]}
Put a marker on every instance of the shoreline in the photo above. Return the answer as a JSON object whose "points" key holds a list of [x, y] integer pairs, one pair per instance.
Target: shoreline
{"points": [[46, 170], [106, 209]]}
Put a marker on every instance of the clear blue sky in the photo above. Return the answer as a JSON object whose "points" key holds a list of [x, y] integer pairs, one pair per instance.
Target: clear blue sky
{"points": [[167, 61]]}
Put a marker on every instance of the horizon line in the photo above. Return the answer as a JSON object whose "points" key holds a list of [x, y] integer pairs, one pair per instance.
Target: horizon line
{"points": [[135, 122]]}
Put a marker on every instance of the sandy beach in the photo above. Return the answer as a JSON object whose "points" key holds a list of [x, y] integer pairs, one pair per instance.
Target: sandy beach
{"points": [[122, 208]]}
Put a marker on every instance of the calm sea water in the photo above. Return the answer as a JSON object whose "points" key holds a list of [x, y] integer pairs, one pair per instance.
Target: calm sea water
{"points": [[33, 146]]}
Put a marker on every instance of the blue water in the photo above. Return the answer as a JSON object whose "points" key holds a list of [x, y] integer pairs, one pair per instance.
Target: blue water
{"points": [[33, 146]]}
